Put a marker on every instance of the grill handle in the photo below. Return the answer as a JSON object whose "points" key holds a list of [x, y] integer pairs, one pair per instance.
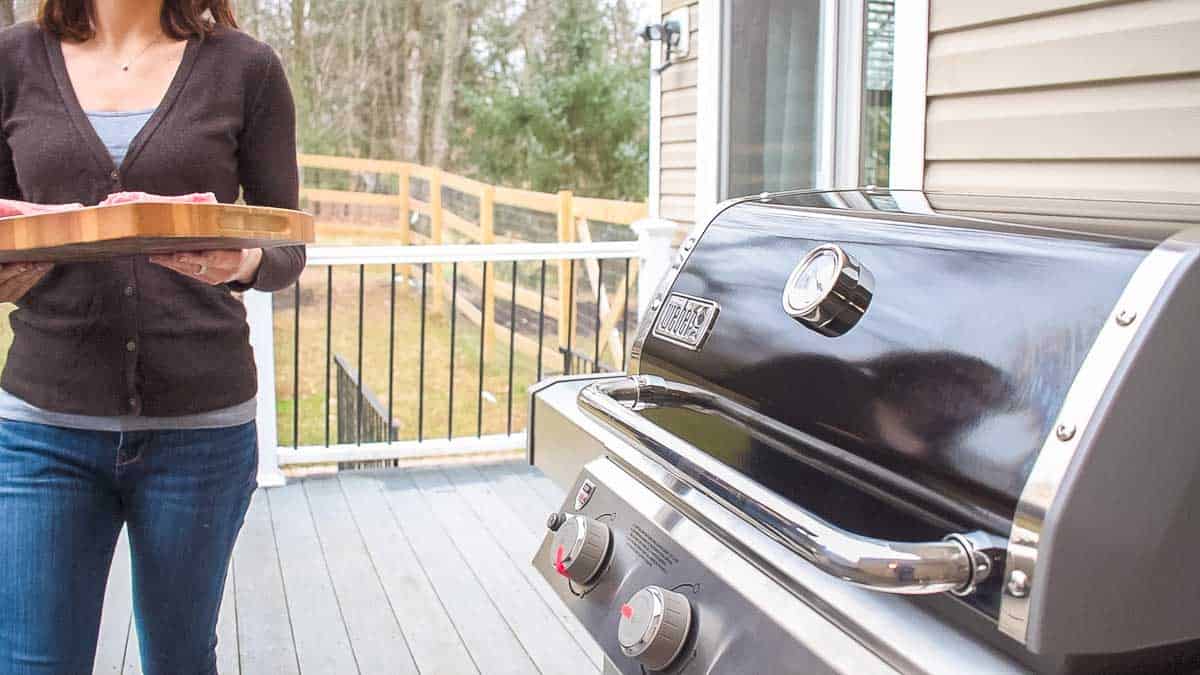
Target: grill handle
{"points": [[958, 563]]}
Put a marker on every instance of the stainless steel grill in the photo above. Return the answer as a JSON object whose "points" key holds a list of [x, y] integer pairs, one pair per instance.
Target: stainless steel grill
{"points": [[893, 431]]}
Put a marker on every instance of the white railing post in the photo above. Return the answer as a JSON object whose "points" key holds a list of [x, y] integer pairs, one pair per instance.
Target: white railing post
{"points": [[655, 237], [259, 314]]}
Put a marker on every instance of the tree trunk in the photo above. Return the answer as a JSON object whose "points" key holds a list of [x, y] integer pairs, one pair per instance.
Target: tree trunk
{"points": [[530, 28], [454, 41], [7, 13], [248, 17], [297, 30], [414, 85]]}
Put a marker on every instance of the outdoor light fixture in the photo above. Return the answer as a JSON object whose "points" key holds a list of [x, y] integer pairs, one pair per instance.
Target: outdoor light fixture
{"points": [[669, 33]]}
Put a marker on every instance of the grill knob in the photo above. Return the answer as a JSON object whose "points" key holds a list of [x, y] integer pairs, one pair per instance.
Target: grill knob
{"points": [[654, 625], [581, 546]]}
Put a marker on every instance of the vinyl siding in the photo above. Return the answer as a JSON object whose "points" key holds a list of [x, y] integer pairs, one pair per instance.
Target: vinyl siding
{"points": [[677, 130], [1065, 97]]}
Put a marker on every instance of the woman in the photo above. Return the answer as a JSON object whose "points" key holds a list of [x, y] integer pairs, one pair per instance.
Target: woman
{"points": [[128, 394]]}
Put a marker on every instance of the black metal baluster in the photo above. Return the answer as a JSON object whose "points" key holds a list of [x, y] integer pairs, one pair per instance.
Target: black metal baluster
{"points": [[358, 403], [512, 341], [599, 288], [391, 353], [453, 321], [625, 321], [569, 357], [296, 370], [482, 336], [541, 320], [328, 342], [421, 359]]}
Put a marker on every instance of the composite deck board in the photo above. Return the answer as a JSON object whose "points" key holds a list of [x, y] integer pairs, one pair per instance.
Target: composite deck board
{"points": [[541, 632], [118, 608], [260, 599], [379, 644], [432, 637], [550, 493], [319, 632], [530, 509], [227, 639], [519, 545], [422, 570], [479, 622]]}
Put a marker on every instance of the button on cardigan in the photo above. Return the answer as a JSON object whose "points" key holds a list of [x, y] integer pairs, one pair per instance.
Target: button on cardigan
{"points": [[125, 336]]}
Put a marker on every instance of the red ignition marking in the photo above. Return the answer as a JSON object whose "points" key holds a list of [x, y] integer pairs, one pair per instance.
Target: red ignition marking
{"points": [[558, 562], [627, 611]]}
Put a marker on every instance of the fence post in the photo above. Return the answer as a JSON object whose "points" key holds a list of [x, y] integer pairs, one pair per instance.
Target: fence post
{"points": [[566, 234], [487, 235], [655, 236], [260, 316], [435, 231], [405, 207]]}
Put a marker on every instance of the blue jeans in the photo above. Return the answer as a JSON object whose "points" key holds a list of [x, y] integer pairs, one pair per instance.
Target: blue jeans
{"points": [[64, 494]]}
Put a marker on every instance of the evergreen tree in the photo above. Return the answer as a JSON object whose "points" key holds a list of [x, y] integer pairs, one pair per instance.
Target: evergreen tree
{"points": [[575, 118]]}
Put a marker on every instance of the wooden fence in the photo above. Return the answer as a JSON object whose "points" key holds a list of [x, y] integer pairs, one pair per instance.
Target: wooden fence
{"points": [[391, 220]]}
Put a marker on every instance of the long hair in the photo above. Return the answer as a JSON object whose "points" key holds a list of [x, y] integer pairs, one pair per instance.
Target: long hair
{"points": [[74, 20]]}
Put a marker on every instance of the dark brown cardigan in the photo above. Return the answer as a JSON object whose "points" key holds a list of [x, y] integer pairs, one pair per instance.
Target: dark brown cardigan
{"points": [[126, 336]]}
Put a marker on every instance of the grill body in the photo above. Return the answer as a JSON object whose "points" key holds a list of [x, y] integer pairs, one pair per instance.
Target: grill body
{"points": [[975, 439]]}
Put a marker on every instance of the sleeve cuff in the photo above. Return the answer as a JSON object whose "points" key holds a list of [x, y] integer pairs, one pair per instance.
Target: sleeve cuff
{"points": [[274, 272]]}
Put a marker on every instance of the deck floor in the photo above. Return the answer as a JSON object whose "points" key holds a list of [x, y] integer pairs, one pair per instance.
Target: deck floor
{"points": [[420, 570]]}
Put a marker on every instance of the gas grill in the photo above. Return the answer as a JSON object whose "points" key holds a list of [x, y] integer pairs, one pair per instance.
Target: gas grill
{"points": [[872, 431]]}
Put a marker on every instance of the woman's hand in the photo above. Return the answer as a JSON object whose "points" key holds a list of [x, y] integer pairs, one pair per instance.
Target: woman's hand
{"points": [[17, 278], [214, 267]]}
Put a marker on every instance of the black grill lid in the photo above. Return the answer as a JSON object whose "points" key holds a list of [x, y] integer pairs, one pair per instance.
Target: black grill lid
{"points": [[983, 310]]}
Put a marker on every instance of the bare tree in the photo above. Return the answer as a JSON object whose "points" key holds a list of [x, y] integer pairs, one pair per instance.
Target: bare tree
{"points": [[298, 30], [8, 13], [413, 95], [454, 41]]}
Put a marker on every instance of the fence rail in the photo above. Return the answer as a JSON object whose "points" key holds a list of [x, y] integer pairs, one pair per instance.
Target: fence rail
{"points": [[573, 216]]}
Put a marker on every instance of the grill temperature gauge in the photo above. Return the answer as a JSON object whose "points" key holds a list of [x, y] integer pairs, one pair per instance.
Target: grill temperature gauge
{"points": [[828, 291]]}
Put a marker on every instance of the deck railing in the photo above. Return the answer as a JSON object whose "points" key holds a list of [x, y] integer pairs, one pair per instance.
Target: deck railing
{"points": [[451, 296], [593, 328]]}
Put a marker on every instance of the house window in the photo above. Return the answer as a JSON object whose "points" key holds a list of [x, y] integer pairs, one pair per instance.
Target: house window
{"points": [[807, 94], [774, 73], [878, 43]]}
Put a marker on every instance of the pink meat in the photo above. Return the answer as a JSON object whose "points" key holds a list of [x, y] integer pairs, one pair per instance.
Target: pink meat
{"points": [[143, 197], [10, 207]]}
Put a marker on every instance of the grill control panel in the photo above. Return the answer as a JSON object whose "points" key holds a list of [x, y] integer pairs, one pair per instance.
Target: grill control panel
{"points": [[656, 592]]}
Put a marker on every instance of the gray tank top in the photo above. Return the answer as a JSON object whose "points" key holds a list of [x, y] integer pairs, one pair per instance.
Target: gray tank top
{"points": [[118, 129]]}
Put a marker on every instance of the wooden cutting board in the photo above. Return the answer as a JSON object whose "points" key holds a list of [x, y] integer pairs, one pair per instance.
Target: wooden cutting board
{"points": [[100, 232]]}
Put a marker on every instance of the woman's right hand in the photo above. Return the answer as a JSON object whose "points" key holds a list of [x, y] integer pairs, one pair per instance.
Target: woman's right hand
{"points": [[17, 278]]}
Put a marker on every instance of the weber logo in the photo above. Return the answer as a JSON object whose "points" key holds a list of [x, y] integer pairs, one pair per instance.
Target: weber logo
{"points": [[685, 320]]}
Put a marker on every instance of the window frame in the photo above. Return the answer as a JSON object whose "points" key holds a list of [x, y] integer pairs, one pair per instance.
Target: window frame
{"points": [[839, 110]]}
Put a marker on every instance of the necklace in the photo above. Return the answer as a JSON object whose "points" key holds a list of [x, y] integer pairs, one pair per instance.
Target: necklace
{"points": [[125, 66]]}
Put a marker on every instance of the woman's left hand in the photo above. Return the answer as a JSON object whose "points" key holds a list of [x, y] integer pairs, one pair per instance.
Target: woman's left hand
{"points": [[214, 267]]}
